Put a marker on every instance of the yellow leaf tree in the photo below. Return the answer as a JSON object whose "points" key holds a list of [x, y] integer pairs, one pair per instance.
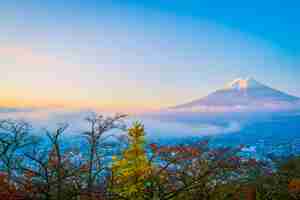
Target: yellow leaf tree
{"points": [[130, 172]]}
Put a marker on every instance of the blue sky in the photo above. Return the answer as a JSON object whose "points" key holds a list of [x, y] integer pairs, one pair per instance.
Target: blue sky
{"points": [[143, 54]]}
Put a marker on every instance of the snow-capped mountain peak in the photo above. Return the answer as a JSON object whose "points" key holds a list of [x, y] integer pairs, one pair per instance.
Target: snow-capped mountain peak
{"points": [[241, 84]]}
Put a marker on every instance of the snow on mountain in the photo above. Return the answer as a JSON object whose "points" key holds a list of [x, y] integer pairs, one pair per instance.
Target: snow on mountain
{"points": [[242, 95], [241, 84]]}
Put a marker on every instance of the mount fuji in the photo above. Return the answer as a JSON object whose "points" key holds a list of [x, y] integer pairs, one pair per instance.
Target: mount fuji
{"points": [[242, 95], [245, 111]]}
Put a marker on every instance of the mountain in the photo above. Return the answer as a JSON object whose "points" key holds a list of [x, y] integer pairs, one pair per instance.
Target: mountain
{"points": [[242, 95]]}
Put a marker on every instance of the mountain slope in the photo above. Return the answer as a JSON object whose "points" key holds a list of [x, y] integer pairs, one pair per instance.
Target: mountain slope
{"points": [[242, 94]]}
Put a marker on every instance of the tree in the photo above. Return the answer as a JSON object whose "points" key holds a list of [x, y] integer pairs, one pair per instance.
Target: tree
{"points": [[51, 171], [195, 171], [99, 125], [282, 183], [131, 171], [14, 139]]}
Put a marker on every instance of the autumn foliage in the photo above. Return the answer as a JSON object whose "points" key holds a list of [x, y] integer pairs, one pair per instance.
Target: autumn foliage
{"points": [[130, 173], [105, 166]]}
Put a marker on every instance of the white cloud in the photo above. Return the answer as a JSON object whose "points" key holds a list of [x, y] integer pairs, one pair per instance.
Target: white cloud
{"points": [[155, 127]]}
